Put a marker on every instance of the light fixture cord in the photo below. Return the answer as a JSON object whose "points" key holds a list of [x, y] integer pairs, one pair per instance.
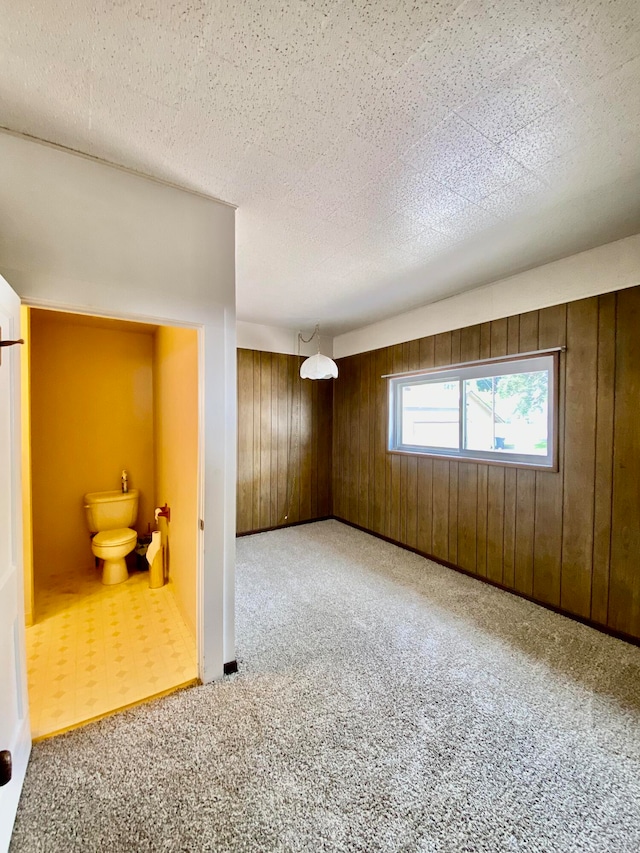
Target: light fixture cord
{"points": [[316, 331]]}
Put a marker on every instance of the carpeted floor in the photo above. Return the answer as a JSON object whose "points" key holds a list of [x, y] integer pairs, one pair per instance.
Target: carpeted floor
{"points": [[383, 703]]}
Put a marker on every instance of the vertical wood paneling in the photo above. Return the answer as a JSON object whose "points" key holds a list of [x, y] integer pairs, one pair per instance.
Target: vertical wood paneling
{"points": [[513, 334], [456, 336], [528, 335], [306, 410], [468, 474], [404, 468], [350, 465], [255, 496], [547, 546], [373, 392], [510, 480], [470, 343], [413, 363], [525, 505], [426, 358], [442, 349], [293, 506], [509, 527], [379, 357], [353, 464], [519, 527], [440, 508], [570, 537], [363, 442], [284, 442], [579, 456], [483, 477], [485, 340], [454, 472], [481, 520], [425, 505], [314, 449], [325, 447], [454, 469], [354, 441], [467, 515], [245, 439], [395, 506], [388, 468], [281, 436], [343, 427], [273, 442], [264, 515], [441, 470], [525, 483], [339, 421], [346, 468], [495, 523], [495, 478], [336, 450], [499, 336], [604, 457], [624, 590], [427, 352]]}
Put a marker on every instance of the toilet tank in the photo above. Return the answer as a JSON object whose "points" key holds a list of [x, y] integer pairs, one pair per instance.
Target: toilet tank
{"points": [[111, 510]]}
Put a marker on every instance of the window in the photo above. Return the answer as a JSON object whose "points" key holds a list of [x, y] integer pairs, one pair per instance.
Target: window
{"points": [[501, 411]]}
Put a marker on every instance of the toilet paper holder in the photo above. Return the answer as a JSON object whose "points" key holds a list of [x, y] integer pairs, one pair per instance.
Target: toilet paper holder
{"points": [[163, 512]]}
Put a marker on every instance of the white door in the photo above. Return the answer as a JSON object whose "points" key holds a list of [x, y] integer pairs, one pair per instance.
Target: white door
{"points": [[15, 734]]}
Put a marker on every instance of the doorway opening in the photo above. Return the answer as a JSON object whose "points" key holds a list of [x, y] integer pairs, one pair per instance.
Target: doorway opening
{"points": [[102, 396]]}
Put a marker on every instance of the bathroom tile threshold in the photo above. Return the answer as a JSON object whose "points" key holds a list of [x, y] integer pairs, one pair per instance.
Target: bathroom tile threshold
{"points": [[97, 649], [78, 725]]}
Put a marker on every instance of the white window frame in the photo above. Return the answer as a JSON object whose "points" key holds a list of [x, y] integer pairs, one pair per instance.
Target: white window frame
{"points": [[526, 363]]}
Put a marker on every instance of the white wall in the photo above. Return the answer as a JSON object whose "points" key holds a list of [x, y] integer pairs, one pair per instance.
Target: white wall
{"points": [[278, 339], [78, 234], [613, 266]]}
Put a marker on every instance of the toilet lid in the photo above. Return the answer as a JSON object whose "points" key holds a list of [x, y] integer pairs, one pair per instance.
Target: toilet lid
{"points": [[115, 537]]}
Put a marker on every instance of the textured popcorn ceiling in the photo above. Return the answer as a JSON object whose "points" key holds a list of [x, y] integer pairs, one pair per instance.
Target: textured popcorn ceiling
{"points": [[382, 154]]}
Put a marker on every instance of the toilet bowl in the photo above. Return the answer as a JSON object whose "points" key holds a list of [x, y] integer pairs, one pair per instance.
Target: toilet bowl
{"points": [[110, 516], [112, 546]]}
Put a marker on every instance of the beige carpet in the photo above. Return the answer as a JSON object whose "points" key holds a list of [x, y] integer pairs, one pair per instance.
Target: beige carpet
{"points": [[383, 703]]}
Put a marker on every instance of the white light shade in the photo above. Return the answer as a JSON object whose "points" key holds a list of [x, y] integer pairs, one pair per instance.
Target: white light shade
{"points": [[318, 367]]}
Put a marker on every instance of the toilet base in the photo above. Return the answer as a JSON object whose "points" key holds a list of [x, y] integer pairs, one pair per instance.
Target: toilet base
{"points": [[114, 571]]}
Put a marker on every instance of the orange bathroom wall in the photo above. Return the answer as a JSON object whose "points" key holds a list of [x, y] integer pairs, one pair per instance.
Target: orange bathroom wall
{"points": [[176, 425], [91, 416]]}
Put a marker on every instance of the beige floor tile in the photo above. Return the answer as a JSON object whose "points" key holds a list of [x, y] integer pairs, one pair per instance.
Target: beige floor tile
{"points": [[94, 649]]}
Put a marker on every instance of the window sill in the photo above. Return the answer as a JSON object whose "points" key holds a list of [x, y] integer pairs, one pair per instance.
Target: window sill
{"points": [[502, 463]]}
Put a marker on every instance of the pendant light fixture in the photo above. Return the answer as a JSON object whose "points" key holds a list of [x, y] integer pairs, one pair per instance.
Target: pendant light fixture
{"points": [[317, 366]]}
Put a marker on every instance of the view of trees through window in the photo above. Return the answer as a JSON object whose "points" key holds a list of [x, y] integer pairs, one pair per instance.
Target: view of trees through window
{"points": [[506, 413], [513, 415]]}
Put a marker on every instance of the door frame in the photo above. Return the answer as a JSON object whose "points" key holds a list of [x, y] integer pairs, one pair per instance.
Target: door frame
{"points": [[65, 308], [17, 724]]}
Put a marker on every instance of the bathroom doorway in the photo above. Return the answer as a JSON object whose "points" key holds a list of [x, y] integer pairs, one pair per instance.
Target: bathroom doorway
{"points": [[102, 396]]}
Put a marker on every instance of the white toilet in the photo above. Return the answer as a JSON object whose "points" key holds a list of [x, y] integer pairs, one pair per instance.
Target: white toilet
{"points": [[110, 515]]}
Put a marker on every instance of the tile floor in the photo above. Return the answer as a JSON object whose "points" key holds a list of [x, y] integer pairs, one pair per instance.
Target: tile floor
{"points": [[97, 648]]}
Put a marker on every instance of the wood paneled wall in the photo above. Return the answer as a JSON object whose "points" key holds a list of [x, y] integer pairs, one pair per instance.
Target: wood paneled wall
{"points": [[284, 442], [570, 538]]}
